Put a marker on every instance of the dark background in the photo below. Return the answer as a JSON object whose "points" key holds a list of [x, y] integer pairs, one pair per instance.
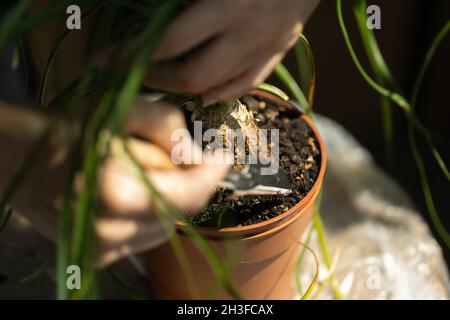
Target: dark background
{"points": [[407, 29]]}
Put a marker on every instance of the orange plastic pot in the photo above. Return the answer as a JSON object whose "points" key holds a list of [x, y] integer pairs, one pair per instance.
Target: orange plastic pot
{"points": [[261, 258]]}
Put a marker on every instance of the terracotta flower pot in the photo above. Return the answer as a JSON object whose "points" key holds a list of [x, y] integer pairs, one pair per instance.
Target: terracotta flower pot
{"points": [[261, 257]]}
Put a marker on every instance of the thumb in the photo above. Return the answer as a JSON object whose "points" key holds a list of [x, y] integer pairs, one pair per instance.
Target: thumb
{"points": [[190, 189]]}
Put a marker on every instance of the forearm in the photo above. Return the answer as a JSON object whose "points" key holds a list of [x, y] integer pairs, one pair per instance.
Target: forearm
{"points": [[19, 129]]}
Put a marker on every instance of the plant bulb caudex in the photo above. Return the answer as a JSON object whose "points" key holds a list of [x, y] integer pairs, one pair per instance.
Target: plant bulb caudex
{"points": [[231, 120]]}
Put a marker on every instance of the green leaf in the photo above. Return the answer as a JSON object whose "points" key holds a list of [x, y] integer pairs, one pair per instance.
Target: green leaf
{"points": [[10, 22], [382, 74], [300, 259], [30, 277], [15, 58], [394, 96], [139, 8], [17, 23], [436, 220], [307, 69], [55, 48], [426, 63], [316, 275], [285, 76], [416, 89], [168, 210], [318, 226], [5, 215], [408, 109], [36, 273], [272, 89], [371, 47]]}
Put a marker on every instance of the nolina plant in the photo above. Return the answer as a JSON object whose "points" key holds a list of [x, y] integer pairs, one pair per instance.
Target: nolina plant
{"points": [[106, 94], [386, 86], [390, 95], [307, 73], [112, 89]]}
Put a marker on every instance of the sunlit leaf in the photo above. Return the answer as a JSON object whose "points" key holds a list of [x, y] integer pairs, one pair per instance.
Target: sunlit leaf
{"points": [[293, 87]]}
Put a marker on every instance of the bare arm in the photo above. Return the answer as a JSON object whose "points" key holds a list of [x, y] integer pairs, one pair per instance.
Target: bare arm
{"points": [[126, 223], [20, 129]]}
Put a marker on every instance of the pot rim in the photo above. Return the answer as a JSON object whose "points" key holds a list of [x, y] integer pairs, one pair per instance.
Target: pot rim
{"points": [[282, 220]]}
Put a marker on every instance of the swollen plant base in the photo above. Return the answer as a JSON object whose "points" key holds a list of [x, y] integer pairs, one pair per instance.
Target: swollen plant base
{"points": [[299, 156], [226, 117]]}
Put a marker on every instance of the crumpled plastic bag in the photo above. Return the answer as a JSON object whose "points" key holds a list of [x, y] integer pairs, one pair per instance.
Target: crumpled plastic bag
{"points": [[381, 246]]}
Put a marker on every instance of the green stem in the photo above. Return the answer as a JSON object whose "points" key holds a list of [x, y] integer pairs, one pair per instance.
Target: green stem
{"points": [[299, 262], [436, 220], [36, 273], [318, 225], [382, 75], [11, 20], [198, 240], [59, 41], [395, 97], [316, 275], [413, 121], [5, 215], [307, 69], [426, 63]]}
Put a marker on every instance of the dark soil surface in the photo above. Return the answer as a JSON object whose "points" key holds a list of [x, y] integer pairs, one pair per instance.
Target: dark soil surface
{"points": [[299, 156]]}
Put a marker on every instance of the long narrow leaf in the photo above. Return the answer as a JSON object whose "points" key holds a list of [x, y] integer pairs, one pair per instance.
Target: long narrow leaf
{"points": [[7, 27], [436, 220], [59, 41], [289, 81], [395, 97], [209, 253], [414, 122], [307, 69], [426, 63], [318, 226], [316, 275], [382, 74]]}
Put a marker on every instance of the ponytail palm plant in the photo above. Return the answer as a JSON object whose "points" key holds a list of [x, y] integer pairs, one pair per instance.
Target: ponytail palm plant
{"points": [[391, 96], [109, 92], [99, 100], [385, 85]]}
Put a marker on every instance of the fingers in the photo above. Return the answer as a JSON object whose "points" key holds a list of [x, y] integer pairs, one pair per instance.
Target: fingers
{"points": [[128, 224], [148, 155], [230, 49], [218, 62], [155, 122], [123, 194], [204, 68], [165, 127], [121, 237], [190, 189], [199, 23], [121, 191], [238, 86]]}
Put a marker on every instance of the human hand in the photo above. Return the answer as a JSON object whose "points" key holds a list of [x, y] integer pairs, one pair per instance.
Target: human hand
{"points": [[221, 48], [127, 223]]}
